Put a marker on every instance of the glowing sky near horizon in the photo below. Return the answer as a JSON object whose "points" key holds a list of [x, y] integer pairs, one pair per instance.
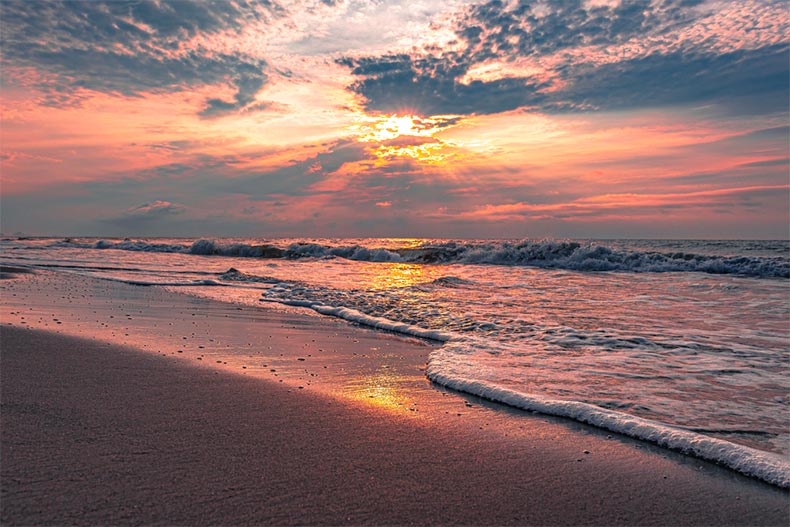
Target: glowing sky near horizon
{"points": [[570, 118]]}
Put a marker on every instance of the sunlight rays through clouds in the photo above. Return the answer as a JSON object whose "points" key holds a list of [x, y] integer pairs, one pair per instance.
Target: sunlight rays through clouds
{"points": [[355, 117]]}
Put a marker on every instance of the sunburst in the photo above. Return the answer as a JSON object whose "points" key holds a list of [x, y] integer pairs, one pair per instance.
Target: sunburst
{"points": [[408, 136]]}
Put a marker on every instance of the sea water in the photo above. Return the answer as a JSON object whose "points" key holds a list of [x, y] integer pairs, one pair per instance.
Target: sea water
{"points": [[683, 343]]}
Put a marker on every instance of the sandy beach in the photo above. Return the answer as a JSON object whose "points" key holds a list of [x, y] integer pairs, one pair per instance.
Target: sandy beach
{"points": [[394, 262], [134, 405]]}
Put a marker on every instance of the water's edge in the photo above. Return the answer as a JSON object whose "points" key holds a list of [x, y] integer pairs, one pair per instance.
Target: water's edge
{"points": [[766, 466], [443, 366]]}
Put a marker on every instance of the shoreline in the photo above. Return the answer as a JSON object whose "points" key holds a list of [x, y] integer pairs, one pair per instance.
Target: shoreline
{"points": [[422, 463], [767, 466]]}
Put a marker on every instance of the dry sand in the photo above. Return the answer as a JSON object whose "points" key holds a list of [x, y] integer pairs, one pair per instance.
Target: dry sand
{"points": [[119, 427]]}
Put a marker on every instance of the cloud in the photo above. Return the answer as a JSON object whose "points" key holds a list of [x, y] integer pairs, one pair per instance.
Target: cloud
{"points": [[248, 82], [130, 48], [431, 85], [157, 215], [154, 210], [781, 162], [579, 56], [297, 178], [743, 81], [10, 157], [407, 140], [633, 205]]}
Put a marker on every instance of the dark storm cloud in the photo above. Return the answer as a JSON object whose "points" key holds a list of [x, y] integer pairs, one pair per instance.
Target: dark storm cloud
{"points": [[739, 81], [747, 81], [536, 28], [129, 47], [431, 86]]}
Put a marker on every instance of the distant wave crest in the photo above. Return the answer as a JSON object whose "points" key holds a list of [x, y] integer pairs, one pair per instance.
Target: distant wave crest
{"points": [[549, 254]]}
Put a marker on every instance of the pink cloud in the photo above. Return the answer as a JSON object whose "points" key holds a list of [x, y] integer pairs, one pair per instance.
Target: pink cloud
{"points": [[630, 205]]}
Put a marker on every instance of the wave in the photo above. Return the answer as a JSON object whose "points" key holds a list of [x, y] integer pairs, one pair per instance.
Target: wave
{"points": [[354, 315], [91, 268], [464, 334], [241, 250], [451, 281], [548, 254], [152, 283], [234, 275], [771, 468], [168, 284], [445, 368], [576, 256]]}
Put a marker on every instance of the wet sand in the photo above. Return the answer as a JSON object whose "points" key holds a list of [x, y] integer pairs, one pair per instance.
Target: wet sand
{"points": [[108, 417]]}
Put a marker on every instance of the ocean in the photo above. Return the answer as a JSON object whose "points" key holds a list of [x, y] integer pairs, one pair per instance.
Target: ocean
{"points": [[684, 343]]}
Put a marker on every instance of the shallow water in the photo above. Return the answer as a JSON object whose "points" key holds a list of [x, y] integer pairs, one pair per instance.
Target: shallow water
{"points": [[691, 334]]}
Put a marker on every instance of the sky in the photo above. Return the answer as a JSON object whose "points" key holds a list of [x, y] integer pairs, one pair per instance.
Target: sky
{"points": [[401, 118]]}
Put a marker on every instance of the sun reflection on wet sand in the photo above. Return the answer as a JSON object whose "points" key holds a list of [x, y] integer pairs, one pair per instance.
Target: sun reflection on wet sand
{"points": [[383, 389]]}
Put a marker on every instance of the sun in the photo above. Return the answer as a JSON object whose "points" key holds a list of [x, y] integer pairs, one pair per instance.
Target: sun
{"points": [[410, 136], [387, 127]]}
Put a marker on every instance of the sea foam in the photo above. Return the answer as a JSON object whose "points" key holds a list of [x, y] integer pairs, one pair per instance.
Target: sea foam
{"points": [[445, 368]]}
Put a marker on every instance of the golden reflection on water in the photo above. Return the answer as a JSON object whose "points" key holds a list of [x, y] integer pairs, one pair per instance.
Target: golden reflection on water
{"points": [[396, 275], [408, 242]]}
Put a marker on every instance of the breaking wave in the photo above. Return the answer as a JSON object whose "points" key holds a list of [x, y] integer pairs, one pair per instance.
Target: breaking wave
{"points": [[769, 467], [547, 254], [447, 368], [234, 275]]}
